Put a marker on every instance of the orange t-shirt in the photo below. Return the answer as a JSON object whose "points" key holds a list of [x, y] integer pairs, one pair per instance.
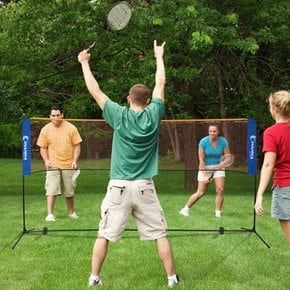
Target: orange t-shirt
{"points": [[60, 142]]}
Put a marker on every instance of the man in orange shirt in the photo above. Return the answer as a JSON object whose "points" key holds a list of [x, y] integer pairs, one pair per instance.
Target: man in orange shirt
{"points": [[59, 143]]}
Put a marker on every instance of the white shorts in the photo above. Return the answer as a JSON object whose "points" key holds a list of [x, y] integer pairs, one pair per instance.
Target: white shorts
{"points": [[205, 174]]}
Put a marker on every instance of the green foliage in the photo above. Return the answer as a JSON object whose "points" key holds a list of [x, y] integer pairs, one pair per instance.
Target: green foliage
{"points": [[9, 135], [10, 141], [10, 110], [248, 45], [218, 55], [200, 40]]}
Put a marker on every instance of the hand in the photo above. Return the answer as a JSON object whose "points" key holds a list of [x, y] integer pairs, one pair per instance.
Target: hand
{"points": [[206, 181], [47, 164], [259, 209], [158, 49], [84, 56], [206, 177], [74, 165]]}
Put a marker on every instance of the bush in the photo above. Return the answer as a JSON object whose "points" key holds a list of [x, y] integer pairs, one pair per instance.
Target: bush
{"points": [[10, 140]]}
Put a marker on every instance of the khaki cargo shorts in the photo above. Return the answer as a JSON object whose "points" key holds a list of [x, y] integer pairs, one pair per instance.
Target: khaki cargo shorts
{"points": [[55, 179], [126, 198]]}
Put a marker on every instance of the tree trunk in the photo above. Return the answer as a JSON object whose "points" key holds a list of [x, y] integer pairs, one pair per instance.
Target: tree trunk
{"points": [[190, 159], [222, 101], [174, 140]]}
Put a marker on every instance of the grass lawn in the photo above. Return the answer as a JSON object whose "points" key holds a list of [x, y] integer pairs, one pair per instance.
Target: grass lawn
{"points": [[204, 258]]}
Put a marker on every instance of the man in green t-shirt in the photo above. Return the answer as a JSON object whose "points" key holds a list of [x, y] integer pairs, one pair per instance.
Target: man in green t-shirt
{"points": [[134, 162]]}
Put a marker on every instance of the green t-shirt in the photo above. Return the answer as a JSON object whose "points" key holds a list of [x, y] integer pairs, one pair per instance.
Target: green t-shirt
{"points": [[135, 140]]}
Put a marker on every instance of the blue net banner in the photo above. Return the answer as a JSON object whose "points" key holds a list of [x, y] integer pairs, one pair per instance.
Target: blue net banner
{"points": [[252, 147], [26, 147]]}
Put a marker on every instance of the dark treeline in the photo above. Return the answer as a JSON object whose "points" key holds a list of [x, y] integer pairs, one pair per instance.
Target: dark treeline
{"points": [[223, 58]]}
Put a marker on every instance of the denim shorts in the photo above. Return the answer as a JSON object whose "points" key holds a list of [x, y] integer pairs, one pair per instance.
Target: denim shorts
{"points": [[281, 203]]}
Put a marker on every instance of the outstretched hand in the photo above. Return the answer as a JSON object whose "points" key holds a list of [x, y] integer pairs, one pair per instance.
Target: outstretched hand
{"points": [[158, 49]]}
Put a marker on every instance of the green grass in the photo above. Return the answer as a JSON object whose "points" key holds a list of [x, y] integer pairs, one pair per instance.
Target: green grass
{"points": [[204, 258]]}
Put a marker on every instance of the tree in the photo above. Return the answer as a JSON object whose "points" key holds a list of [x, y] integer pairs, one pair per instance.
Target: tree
{"points": [[223, 58]]}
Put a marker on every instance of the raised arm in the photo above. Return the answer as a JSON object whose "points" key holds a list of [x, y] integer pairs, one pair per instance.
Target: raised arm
{"points": [[160, 79], [91, 83]]}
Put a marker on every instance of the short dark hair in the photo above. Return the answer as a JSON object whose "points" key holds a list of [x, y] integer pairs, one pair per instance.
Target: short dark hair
{"points": [[56, 107], [139, 94]]}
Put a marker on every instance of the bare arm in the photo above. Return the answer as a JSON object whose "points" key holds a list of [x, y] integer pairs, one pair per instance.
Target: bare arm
{"points": [[201, 158], [44, 155], [227, 151], [266, 173], [91, 83], [160, 79], [77, 152]]}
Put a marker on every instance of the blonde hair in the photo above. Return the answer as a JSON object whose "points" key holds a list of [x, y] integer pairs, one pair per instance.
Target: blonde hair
{"points": [[281, 100], [139, 94]]}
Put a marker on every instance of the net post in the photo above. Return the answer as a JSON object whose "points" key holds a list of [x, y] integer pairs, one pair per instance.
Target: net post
{"points": [[26, 146], [26, 160], [26, 169], [252, 166], [252, 147]]}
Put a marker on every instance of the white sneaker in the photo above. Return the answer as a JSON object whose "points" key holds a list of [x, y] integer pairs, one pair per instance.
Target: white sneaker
{"points": [[95, 283], [184, 211], [73, 215], [218, 214], [176, 281], [50, 218]]}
